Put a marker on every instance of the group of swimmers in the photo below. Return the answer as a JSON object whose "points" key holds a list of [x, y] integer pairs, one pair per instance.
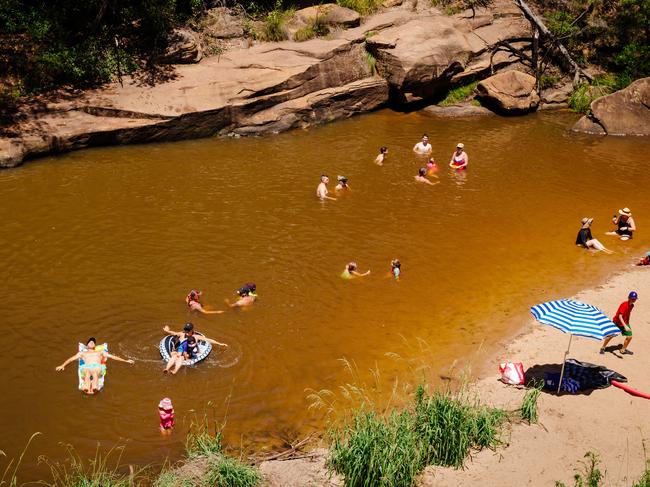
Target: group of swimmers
{"points": [[625, 228], [350, 271]]}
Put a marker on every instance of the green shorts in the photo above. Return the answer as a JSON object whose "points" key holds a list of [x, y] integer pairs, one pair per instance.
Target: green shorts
{"points": [[626, 332]]}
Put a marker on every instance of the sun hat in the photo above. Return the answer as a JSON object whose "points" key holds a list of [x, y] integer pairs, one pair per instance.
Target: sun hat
{"points": [[166, 404], [341, 178], [625, 211], [460, 145], [587, 221], [632, 295]]}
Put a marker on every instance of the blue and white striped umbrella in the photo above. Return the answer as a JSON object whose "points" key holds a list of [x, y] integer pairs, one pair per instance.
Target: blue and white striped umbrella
{"points": [[576, 318]]}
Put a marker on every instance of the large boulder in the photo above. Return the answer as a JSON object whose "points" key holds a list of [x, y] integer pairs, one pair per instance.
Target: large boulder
{"points": [[626, 112], [323, 17], [509, 93], [221, 23], [184, 48]]}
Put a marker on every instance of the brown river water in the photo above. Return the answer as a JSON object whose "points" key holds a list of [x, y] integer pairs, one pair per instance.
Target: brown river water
{"points": [[107, 242]]}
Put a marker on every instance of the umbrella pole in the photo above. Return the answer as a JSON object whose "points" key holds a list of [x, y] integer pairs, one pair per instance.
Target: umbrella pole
{"points": [[563, 363]]}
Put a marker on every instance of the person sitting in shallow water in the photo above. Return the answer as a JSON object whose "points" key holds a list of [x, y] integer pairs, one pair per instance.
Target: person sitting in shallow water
{"points": [[351, 272], [247, 296], [94, 365], [421, 177], [194, 303], [379, 160], [585, 239], [625, 225], [343, 183]]}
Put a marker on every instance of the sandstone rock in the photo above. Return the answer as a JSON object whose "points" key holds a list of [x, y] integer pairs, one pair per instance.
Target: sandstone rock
{"points": [[557, 95], [391, 3], [626, 112], [588, 126], [328, 15], [456, 111], [219, 23], [509, 92], [184, 48]]}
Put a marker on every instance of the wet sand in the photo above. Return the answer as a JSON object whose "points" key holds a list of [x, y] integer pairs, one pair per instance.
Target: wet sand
{"points": [[608, 422]]}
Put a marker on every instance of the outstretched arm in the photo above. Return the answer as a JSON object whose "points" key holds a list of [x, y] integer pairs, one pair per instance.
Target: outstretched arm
{"points": [[74, 357], [360, 274], [119, 359], [208, 312], [175, 333], [210, 340]]}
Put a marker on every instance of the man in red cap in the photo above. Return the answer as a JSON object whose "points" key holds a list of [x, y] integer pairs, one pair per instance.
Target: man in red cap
{"points": [[622, 320]]}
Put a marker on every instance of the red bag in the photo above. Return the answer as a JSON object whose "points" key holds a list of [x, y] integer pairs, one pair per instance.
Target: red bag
{"points": [[512, 373]]}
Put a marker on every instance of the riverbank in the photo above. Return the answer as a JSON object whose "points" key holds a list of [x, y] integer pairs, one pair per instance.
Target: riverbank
{"points": [[608, 422]]}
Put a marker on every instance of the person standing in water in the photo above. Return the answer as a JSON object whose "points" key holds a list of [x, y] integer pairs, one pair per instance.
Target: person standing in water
{"points": [[625, 225], [422, 177], [585, 239], [622, 320], [194, 303], [423, 147], [459, 158], [379, 160], [343, 183], [321, 191], [395, 269], [351, 272], [166, 415]]}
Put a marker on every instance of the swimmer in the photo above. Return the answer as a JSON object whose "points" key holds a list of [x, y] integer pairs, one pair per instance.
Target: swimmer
{"points": [[181, 352], [166, 414], [351, 272], [194, 304], [379, 160], [343, 183], [421, 177], [423, 147], [321, 191], [432, 167], [585, 239], [459, 158], [94, 365], [395, 269], [624, 223], [247, 296]]}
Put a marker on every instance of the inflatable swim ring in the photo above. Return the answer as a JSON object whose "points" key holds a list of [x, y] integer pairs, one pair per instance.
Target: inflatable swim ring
{"points": [[630, 390], [167, 344]]}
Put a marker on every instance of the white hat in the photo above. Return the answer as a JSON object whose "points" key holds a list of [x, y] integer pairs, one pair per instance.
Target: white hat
{"points": [[460, 145], [625, 211]]}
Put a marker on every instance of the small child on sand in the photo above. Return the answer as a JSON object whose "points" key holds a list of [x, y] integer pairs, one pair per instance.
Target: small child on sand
{"points": [[166, 412]]}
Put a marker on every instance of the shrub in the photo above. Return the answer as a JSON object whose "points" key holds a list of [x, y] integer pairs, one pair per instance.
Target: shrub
{"points": [[315, 28], [589, 476], [548, 81], [228, 472], [458, 94], [364, 7], [528, 408], [274, 26]]}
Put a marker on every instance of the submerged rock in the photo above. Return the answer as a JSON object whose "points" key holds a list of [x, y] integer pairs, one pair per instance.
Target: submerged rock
{"points": [[456, 111], [509, 93], [626, 112]]}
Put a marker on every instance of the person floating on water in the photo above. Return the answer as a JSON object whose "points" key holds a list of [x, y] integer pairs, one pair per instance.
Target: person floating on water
{"points": [[343, 183], [645, 260], [585, 239], [622, 320], [186, 347], [395, 269], [624, 223], [94, 365], [247, 296], [422, 177], [166, 414], [459, 158], [423, 147], [194, 303], [322, 191], [383, 152], [350, 271]]}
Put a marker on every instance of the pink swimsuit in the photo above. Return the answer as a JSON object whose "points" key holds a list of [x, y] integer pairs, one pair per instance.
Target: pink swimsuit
{"points": [[166, 419]]}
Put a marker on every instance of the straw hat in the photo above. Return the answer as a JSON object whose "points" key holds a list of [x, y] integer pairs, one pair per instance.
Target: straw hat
{"points": [[625, 211], [587, 221], [165, 404], [460, 145]]}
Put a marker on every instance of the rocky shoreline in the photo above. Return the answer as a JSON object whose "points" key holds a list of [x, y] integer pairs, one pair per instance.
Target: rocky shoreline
{"points": [[398, 57]]}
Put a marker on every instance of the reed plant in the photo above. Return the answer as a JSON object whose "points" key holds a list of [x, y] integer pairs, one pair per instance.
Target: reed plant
{"points": [[274, 30], [203, 440], [589, 474], [528, 410], [229, 472], [10, 474]]}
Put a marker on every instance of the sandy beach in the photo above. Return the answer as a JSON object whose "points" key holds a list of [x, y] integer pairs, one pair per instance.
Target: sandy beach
{"points": [[608, 422]]}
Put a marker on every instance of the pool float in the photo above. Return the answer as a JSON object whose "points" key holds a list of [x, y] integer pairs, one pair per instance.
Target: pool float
{"points": [[629, 390], [100, 380], [167, 344]]}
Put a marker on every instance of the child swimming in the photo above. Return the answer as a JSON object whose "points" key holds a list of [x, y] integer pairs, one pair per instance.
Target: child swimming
{"points": [[343, 183], [166, 413], [350, 271], [379, 160]]}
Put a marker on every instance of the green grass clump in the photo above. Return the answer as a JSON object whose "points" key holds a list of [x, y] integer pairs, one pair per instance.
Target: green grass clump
{"points": [[228, 472], [440, 429], [528, 408], [589, 476], [372, 63], [316, 28], [458, 94], [274, 26], [200, 441], [364, 7], [644, 481], [584, 94], [548, 81]]}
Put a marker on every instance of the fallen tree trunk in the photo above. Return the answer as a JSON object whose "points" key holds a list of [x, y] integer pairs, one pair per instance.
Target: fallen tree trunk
{"points": [[534, 19]]}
